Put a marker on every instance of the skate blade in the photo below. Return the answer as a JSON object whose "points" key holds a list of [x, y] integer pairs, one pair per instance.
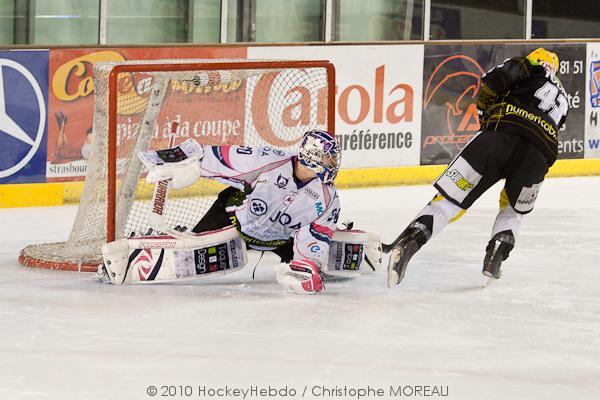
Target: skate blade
{"points": [[488, 279], [394, 277]]}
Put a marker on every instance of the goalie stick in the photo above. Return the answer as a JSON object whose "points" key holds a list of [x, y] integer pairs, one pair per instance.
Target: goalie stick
{"points": [[386, 248], [156, 217]]}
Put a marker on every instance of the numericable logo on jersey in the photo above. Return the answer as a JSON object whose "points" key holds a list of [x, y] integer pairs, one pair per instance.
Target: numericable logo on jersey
{"points": [[19, 140]]}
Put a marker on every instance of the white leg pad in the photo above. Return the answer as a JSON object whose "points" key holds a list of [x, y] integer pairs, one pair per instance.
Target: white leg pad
{"points": [[348, 251], [373, 254], [153, 259]]}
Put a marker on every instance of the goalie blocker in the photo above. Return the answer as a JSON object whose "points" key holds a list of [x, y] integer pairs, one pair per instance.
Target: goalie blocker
{"points": [[155, 259]]}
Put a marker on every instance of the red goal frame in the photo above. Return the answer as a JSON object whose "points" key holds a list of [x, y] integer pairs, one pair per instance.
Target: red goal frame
{"points": [[43, 255]]}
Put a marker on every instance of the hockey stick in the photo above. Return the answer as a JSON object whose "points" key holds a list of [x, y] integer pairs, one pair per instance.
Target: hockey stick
{"points": [[156, 217], [386, 248]]}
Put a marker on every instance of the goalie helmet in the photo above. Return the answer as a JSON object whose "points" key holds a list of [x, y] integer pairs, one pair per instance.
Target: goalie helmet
{"points": [[545, 58], [320, 152]]}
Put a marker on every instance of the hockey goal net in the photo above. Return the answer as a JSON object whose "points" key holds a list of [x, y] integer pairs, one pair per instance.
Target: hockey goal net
{"points": [[141, 105]]}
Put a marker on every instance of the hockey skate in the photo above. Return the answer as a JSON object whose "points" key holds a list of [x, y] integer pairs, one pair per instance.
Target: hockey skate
{"points": [[410, 242], [497, 251]]}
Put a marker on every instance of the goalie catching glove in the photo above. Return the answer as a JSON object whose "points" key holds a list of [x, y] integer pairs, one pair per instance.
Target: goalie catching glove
{"points": [[300, 277], [180, 165]]}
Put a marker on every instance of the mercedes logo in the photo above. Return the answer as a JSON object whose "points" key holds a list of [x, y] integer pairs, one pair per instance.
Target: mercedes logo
{"points": [[9, 127]]}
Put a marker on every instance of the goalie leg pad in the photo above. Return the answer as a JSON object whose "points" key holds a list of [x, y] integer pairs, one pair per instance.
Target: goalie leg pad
{"points": [[373, 253], [153, 259], [352, 252]]}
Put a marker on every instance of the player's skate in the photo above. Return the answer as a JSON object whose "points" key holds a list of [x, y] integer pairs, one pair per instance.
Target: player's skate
{"points": [[410, 242], [497, 251]]}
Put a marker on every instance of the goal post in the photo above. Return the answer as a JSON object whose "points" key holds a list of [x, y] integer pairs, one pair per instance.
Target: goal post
{"points": [[142, 105]]}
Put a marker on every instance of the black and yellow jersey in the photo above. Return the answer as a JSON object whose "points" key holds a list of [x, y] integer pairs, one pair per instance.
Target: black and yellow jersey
{"points": [[521, 97]]}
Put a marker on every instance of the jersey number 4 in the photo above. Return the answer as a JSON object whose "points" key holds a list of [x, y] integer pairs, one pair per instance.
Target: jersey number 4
{"points": [[552, 101]]}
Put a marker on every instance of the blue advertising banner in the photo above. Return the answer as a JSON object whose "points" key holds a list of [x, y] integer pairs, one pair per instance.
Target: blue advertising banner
{"points": [[23, 116]]}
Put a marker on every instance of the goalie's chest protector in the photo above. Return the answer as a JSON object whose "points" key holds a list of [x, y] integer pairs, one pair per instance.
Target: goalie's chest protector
{"points": [[278, 205]]}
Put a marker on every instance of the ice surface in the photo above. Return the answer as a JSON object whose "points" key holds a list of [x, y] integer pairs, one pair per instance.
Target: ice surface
{"points": [[535, 334]]}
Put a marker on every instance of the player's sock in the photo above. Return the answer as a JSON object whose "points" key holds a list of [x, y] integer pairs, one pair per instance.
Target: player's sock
{"points": [[507, 219], [438, 213]]}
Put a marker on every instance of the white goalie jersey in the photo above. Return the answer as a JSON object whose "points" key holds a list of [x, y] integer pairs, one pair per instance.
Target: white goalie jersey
{"points": [[278, 207]]}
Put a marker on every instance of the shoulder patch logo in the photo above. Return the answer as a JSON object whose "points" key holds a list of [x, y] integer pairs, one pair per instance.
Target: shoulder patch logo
{"points": [[281, 182]]}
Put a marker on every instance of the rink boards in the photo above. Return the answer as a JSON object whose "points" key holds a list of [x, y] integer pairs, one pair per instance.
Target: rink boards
{"points": [[403, 110]]}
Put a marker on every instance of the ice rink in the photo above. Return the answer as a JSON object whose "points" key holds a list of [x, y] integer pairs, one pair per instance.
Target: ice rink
{"points": [[535, 334]]}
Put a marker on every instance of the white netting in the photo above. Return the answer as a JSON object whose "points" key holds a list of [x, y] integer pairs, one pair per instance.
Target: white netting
{"points": [[250, 106]]}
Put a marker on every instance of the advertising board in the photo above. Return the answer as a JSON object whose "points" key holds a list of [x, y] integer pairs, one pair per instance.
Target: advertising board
{"points": [[71, 103], [23, 109], [378, 104]]}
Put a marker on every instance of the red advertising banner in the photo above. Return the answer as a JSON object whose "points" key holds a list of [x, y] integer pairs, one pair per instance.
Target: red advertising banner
{"points": [[71, 103]]}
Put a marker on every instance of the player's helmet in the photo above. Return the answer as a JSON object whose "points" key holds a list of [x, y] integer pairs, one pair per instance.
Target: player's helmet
{"points": [[320, 152], [545, 58]]}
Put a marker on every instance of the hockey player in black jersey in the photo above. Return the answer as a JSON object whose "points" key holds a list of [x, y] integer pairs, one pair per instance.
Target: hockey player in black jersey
{"points": [[521, 106]]}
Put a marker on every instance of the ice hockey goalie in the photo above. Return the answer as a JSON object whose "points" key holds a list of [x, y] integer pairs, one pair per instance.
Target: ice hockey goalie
{"points": [[280, 201]]}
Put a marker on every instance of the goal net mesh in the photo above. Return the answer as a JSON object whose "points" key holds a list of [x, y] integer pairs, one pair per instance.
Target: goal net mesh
{"points": [[161, 103]]}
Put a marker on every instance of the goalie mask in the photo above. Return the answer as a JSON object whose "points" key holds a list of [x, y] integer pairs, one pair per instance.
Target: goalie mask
{"points": [[545, 58], [320, 152]]}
